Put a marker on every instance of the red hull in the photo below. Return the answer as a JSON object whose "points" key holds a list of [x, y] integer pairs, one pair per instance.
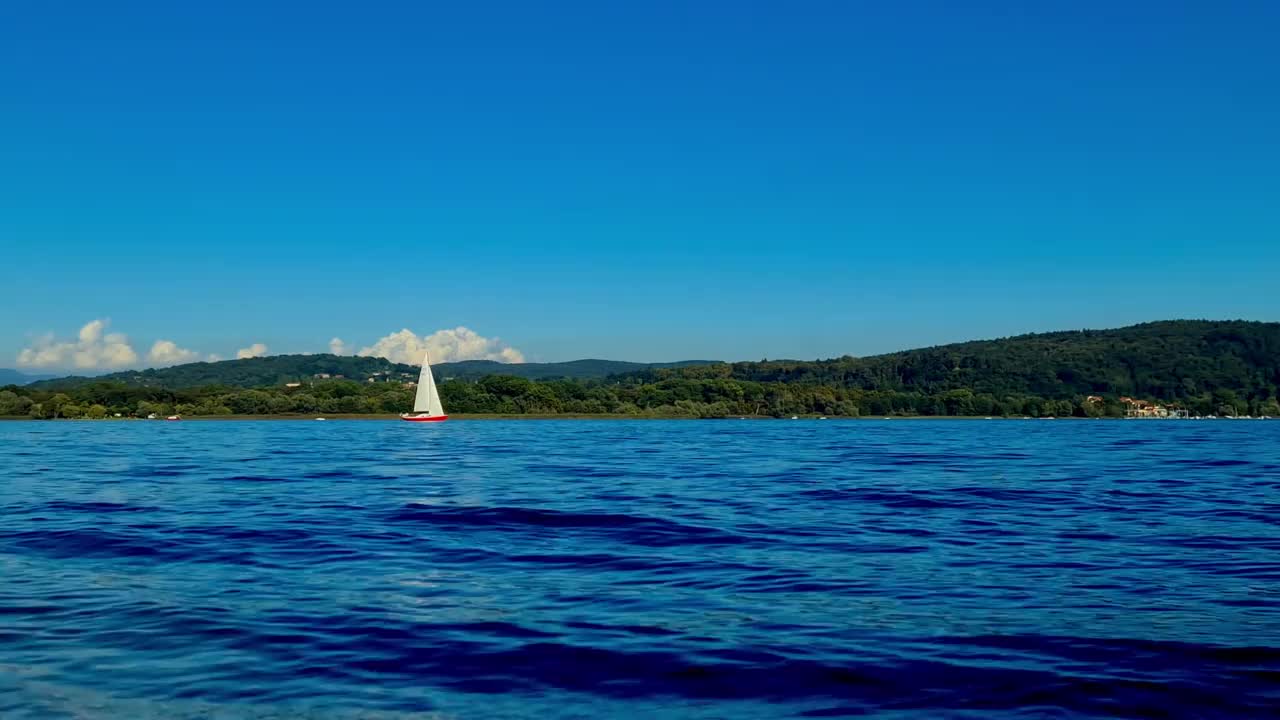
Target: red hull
{"points": [[424, 418]]}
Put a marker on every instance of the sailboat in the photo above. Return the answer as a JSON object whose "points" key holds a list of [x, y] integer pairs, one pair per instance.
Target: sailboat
{"points": [[426, 404]]}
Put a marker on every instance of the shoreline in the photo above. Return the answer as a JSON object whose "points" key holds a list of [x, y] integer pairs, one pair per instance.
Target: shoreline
{"points": [[568, 416]]}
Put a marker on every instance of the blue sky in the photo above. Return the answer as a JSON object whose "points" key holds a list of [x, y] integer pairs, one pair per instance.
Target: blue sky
{"points": [[646, 181]]}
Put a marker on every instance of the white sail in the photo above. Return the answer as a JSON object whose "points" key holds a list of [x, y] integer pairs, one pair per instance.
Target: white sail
{"points": [[428, 398]]}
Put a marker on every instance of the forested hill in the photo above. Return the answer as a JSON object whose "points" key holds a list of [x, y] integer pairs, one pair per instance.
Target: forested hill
{"points": [[280, 369], [572, 370], [1171, 360], [1225, 368]]}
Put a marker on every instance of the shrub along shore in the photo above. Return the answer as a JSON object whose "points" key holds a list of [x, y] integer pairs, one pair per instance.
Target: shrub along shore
{"points": [[504, 396]]}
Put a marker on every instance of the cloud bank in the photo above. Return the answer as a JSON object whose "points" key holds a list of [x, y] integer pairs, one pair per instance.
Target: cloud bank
{"points": [[253, 351], [167, 352], [92, 349], [96, 349], [460, 343]]}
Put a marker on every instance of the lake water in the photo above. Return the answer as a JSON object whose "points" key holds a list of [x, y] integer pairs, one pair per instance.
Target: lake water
{"points": [[594, 569]]}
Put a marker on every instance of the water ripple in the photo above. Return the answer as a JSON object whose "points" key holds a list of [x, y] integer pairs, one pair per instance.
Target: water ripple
{"points": [[675, 569]]}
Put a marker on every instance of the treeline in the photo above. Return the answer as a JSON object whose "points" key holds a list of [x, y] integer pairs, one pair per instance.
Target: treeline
{"points": [[675, 396], [1181, 361], [111, 399]]}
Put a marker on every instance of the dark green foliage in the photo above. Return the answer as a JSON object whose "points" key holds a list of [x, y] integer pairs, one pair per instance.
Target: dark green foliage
{"points": [[1175, 361], [1204, 367], [572, 370], [248, 373]]}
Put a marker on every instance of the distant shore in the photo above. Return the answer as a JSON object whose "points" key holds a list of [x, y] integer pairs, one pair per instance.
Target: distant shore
{"points": [[378, 416], [544, 416]]}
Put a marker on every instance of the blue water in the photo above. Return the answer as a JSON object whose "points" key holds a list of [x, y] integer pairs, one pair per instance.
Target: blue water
{"points": [[736, 569]]}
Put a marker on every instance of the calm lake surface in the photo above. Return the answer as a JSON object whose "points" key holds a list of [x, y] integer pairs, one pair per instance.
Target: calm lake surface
{"points": [[593, 569]]}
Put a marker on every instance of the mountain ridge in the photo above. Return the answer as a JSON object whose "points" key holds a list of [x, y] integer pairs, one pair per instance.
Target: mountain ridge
{"points": [[1166, 360], [1198, 367], [9, 376], [281, 369]]}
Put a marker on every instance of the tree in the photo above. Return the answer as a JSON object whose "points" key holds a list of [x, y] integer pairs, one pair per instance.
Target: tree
{"points": [[12, 403], [959, 402], [1060, 408], [56, 404], [539, 398], [1227, 402], [505, 385], [1092, 408], [147, 408]]}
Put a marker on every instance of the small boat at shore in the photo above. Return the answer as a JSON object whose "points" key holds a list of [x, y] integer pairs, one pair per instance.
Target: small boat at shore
{"points": [[426, 403]]}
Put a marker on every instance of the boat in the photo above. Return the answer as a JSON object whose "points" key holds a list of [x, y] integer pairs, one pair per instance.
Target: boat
{"points": [[426, 404], [174, 417]]}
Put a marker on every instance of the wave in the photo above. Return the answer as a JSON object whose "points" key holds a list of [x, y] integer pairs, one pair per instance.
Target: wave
{"points": [[1108, 677], [635, 529], [910, 570]]}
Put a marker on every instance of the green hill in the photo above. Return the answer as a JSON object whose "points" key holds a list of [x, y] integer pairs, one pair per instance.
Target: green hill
{"points": [[1205, 367], [247, 373], [280, 369], [572, 370], [1171, 360]]}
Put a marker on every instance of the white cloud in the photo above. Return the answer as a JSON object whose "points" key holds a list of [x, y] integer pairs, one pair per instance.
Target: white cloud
{"points": [[444, 345], [93, 349], [253, 351], [167, 352], [96, 349]]}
